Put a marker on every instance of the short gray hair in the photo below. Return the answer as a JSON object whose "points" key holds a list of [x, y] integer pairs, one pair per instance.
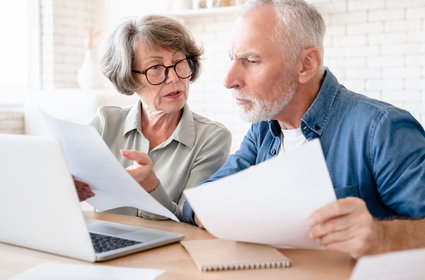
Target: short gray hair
{"points": [[154, 31], [300, 25]]}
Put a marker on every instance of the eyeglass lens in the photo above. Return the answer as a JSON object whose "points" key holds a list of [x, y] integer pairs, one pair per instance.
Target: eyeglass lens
{"points": [[157, 74]]}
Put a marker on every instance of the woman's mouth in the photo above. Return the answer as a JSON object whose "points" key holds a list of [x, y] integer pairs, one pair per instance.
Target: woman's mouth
{"points": [[173, 95]]}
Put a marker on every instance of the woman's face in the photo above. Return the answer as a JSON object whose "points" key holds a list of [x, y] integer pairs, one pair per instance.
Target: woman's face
{"points": [[169, 96]]}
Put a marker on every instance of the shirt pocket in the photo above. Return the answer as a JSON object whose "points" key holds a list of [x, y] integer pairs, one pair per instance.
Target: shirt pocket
{"points": [[352, 190]]}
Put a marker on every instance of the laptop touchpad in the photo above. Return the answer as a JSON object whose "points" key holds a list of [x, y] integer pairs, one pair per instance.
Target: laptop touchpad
{"points": [[110, 229]]}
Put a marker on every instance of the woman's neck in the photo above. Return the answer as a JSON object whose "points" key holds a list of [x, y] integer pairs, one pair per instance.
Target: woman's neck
{"points": [[158, 126]]}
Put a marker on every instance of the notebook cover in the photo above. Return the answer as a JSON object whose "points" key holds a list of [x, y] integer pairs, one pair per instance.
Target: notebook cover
{"points": [[218, 254]]}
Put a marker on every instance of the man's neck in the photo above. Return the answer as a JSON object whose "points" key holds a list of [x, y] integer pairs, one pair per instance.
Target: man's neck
{"points": [[290, 117]]}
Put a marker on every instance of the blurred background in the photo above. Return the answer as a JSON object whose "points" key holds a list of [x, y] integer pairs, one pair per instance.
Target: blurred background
{"points": [[50, 49]]}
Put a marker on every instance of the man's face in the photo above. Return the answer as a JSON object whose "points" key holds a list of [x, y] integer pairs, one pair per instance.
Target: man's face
{"points": [[262, 80]]}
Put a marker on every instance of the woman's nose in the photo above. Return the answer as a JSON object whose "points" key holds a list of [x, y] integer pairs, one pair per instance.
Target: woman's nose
{"points": [[171, 76]]}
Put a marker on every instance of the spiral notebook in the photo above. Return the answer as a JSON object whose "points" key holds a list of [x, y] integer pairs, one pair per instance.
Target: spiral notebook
{"points": [[218, 254]]}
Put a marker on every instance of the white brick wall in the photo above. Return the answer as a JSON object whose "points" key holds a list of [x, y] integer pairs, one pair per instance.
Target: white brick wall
{"points": [[391, 42], [11, 121], [373, 47], [63, 32]]}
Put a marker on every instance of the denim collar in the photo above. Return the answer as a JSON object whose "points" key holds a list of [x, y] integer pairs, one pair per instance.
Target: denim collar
{"points": [[317, 115], [274, 128]]}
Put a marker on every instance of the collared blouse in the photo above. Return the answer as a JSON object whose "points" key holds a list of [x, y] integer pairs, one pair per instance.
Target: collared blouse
{"points": [[197, 148]]}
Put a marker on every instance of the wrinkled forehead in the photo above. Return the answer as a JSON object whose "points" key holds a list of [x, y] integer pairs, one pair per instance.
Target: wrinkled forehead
{"points": [[143, 51], [254, 31], [142, 47]]}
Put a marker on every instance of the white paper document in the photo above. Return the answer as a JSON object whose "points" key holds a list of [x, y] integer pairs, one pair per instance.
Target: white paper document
{"points": [[90, 160], [268, 203], [55, 271], [408, 264]]}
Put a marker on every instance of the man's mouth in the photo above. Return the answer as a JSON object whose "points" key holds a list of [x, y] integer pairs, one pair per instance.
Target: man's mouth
{"points": [[242, 101]]}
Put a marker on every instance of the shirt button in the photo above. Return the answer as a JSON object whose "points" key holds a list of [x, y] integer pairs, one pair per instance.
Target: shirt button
{"points": [[317, 127], [273, 151]]}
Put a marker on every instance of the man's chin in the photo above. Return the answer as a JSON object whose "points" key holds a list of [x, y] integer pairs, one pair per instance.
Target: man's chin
{"points": [[250, 116]]}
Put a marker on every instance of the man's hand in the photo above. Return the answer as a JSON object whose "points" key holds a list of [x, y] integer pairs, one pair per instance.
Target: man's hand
{"points": [[84, 191], [142, 169], [347, 226]]}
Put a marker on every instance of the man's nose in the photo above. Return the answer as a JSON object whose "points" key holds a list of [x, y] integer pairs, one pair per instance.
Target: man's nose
{"points": [[232, 78]]}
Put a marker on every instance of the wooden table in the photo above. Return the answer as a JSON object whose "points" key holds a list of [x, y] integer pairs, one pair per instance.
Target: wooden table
{"points": [[306, 264]]}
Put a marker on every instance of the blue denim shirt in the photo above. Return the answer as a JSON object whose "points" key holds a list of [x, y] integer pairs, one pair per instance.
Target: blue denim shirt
{"points": [[373, 150]]}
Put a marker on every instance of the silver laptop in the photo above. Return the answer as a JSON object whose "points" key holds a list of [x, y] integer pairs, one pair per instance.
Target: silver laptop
{"points": [[39, 207]]}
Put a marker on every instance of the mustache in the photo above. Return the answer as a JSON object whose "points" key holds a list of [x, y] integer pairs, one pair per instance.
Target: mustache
{"points": [[237, 94]]}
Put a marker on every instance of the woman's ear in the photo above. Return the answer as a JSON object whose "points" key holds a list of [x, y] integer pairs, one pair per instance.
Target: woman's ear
{"points": [[310, 64]]}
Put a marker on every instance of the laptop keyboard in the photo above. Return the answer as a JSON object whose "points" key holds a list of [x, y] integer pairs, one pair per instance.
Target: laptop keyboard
{"points": [[104, 243]]}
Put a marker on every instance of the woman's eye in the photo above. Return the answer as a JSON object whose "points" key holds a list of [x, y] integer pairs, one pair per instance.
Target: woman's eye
{"points": [[155, 67]]}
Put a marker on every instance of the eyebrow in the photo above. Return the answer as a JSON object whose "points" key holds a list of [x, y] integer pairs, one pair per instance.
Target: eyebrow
{"points": [[152, 57], [159, 57], [245, 55]]}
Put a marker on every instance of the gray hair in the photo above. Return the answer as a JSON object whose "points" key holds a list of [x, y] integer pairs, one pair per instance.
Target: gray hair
{"points": [[155, 32], [300, 25]]}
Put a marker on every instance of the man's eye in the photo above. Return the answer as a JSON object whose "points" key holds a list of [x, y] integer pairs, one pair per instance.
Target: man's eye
{"points": [[250, 61]]}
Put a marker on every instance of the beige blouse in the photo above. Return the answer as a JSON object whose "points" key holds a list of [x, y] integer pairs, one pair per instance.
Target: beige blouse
{"points": [[196, 149]]}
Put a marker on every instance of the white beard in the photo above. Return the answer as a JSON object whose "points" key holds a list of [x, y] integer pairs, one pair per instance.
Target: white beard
{"points": [[262, 110]]}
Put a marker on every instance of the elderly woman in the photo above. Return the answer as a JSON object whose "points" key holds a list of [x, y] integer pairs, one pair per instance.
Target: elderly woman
{"points": [[164, 145]]}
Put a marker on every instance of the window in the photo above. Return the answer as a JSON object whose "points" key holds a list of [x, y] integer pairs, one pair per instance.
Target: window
{"points": [[19, 50]]}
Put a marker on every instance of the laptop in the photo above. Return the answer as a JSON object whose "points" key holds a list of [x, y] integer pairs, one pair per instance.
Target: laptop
{"points": [[40, 209]]}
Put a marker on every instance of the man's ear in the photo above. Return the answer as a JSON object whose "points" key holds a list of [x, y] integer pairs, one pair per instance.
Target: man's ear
{"points": [[309, 64]]}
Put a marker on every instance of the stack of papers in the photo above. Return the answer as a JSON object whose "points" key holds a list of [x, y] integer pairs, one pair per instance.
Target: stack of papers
{"points": [[407, 264]]}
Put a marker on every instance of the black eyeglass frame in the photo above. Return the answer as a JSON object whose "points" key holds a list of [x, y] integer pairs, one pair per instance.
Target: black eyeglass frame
{"points": [[189, 61]]}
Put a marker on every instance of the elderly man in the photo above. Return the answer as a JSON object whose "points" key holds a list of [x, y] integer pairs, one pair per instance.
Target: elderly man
{"points": [[375, 152]]}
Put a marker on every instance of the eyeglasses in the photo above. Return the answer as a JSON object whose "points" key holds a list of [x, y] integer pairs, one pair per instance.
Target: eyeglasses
{"points": [[157, 74]]}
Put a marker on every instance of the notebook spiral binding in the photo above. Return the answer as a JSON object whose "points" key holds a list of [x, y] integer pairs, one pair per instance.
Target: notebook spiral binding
{"points": [[217, 267]]}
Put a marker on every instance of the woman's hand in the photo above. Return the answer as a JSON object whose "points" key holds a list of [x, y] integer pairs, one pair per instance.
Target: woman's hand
{"points": [[198, 222], [142, 169], [84, 191]]}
